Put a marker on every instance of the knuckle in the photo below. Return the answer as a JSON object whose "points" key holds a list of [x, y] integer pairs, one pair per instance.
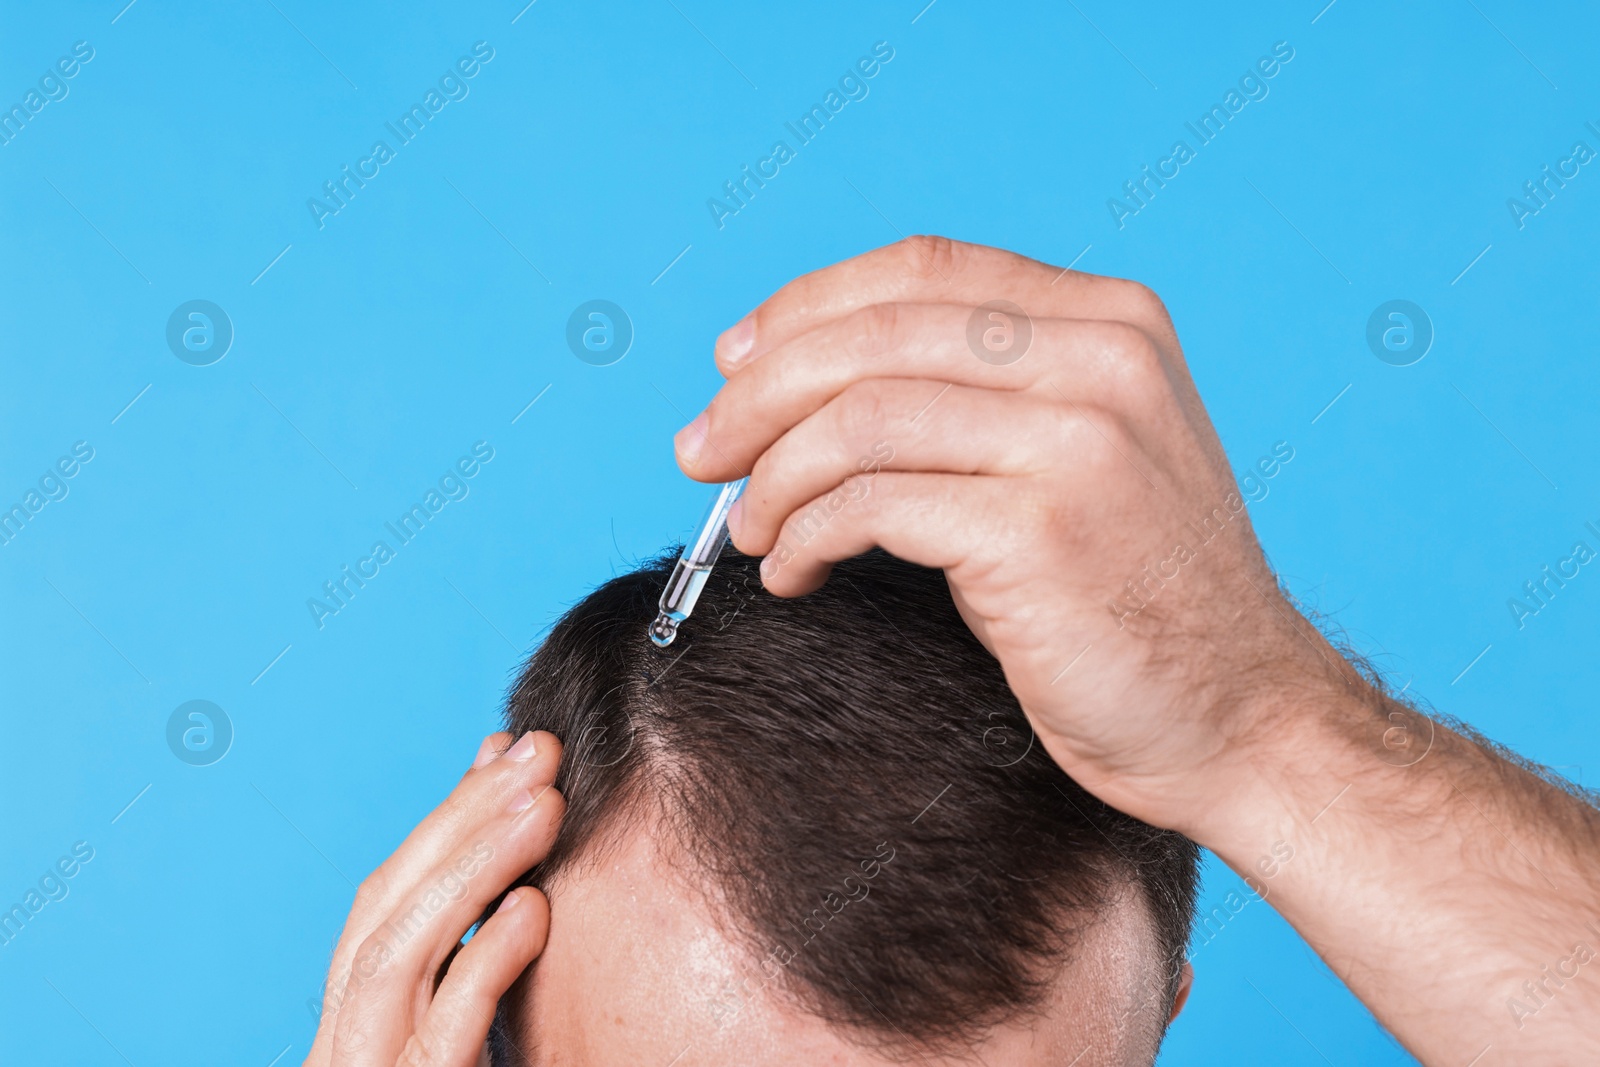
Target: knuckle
{"points": [[1119, 339], [806, 524], [1144, 305], [1132, 354], [860, 412], [767, 471], [369, 964], [553, 798], [1106, 443], [370, 893], [417, 1053], [1118, 442], [552, 806], [875, 329], [1039, 514], [545, 765], [928, 258], [713, 415], [763, 317]]}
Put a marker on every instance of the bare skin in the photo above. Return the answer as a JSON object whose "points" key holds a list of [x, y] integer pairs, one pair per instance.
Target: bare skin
{"points": [[1455, 892]]}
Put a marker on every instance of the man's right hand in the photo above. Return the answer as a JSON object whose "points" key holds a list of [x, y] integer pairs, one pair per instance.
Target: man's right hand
{"points": [[1442, 881], [1068, 482]]}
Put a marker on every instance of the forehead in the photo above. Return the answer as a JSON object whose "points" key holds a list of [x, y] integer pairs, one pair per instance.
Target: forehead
{"points": [[641, 969], [638, 969]]}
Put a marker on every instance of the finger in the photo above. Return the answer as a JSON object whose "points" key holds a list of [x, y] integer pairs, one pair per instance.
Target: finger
{"points": [[377, 893], [396, 964], [894, 424], [1117, 363], [957, 521], [493, 747], [531, 762], [925, 269], [484, 792], [456, 1024], [935, 520]]}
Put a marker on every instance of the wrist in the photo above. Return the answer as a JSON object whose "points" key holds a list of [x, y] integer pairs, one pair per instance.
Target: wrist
{"points": [[1311, 737]]}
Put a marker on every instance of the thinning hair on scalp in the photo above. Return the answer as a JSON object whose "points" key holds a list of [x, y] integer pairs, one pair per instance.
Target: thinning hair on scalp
{"points": [[851, 775]]}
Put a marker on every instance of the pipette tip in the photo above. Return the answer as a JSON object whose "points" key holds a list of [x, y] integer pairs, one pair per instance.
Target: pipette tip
{"points": [[664, 630]]}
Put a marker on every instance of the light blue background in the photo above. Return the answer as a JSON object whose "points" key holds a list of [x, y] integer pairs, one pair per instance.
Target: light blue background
{"points": [[375, 351]]}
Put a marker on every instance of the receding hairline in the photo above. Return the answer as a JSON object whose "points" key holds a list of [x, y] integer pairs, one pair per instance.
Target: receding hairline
{"points": [[1098, 934], [598, 672], [641, 810]]}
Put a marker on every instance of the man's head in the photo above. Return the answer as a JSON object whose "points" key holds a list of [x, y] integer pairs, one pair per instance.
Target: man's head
{"points": [[820, 830]]}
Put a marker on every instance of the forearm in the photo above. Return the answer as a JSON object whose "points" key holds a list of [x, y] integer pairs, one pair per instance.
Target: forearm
{"points": [[1455, 892]]}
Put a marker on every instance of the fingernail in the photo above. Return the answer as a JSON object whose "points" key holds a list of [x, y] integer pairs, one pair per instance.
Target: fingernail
{"points": [[521, 802], [512, 899], [525, 748], [736, 517], [486, 752], [736, 342], [691, 439]]}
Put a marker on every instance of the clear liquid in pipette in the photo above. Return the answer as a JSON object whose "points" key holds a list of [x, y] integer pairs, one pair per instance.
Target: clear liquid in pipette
{"points": [[684, 588]]}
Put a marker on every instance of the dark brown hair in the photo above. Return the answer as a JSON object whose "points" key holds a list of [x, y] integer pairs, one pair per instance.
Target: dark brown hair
{"points": [[852, 774]]}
